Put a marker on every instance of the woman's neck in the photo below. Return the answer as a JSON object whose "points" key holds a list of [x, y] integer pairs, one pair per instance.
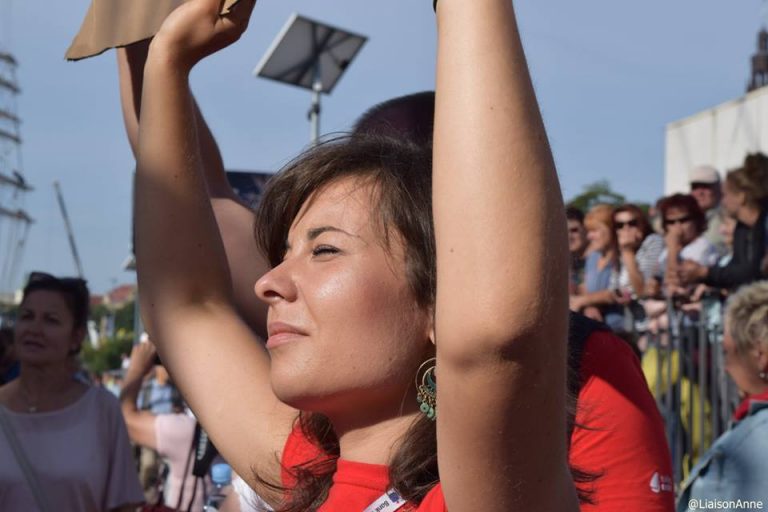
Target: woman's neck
{"points": [[607, 257], [36, 382], [372, 442]]}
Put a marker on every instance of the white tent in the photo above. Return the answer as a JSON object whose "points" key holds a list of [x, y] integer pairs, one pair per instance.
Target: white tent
{"points": [[721, 137]]}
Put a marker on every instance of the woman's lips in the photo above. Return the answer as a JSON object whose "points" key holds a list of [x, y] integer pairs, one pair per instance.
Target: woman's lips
{"points": [[281, 333], [282, 338]]}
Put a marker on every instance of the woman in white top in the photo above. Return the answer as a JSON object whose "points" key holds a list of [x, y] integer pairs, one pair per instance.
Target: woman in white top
{"points": [[72, 435]]}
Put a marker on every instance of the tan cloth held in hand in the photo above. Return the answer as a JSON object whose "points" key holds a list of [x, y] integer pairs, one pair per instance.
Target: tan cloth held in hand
{"points": [[114, 23]]}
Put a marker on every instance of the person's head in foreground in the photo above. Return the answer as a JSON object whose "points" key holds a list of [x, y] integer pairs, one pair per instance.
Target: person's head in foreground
{"points": [[745, 342]]}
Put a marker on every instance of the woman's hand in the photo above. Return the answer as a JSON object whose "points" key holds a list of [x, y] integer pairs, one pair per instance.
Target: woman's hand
{"points": [[629, 240], [576, 303], [196, 29], [674, 238], [142, 358], [691, 272]]}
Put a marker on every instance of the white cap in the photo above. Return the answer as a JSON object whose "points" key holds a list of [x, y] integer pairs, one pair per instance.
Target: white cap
{"points": [[704, 174]]}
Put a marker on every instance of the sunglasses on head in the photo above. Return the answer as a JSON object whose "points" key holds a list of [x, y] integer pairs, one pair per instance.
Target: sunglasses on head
{"points": [[75, 283], [681, 220], [621, 225]]}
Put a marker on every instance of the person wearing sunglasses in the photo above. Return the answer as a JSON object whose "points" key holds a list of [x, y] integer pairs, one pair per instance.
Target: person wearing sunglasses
{"points": [[639, 249], [577, 245], [64, 444], [684, 224]]}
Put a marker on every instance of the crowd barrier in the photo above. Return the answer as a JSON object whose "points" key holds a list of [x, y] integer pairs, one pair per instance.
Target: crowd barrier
{"points": [[683, 364]]}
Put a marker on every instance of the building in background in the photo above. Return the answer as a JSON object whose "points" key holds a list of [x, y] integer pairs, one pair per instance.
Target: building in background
{"points": [[721, 136]]}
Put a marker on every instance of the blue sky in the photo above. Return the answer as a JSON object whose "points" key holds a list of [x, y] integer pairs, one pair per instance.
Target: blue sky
{"points": [[609, 76]]}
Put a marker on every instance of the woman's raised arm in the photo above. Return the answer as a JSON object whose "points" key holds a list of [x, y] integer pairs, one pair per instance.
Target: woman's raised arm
{"points": [[235, 219], [186, 294], [502, 282]]}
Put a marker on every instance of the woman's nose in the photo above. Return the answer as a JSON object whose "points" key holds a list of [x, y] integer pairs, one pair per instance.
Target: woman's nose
{"points": [[276, 285]]}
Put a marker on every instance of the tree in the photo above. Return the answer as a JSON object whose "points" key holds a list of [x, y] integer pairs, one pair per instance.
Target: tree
{"points": [[599, 192]]}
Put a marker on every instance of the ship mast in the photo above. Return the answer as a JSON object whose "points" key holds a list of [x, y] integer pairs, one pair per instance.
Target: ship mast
{"points": [[14, 220]]}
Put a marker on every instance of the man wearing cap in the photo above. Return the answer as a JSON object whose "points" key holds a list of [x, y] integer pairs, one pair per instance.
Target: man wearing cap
{"points": [[705, 188]]}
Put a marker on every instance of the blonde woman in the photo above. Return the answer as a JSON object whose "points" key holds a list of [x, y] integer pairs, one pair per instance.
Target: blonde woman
{"points": [[736, 465]]}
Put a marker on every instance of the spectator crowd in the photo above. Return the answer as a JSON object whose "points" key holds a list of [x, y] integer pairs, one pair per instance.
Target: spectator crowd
{"points": [[629, 265], [539, 409]]}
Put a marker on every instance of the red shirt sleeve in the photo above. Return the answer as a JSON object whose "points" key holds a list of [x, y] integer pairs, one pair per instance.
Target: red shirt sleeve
{"points": [[619, 434]]}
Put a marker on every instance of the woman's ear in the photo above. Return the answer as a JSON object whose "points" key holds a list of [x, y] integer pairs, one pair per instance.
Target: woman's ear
{"points": [[761, 355], [431, 325]]}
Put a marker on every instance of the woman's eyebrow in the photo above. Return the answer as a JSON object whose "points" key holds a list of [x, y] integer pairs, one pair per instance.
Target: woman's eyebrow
{"points": [[316, 232]]}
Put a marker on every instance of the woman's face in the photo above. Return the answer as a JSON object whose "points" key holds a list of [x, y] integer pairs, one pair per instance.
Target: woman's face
{"points": [[45, 332], [599, 237], [679, 221], [344, 327], [577, 237], [744, 367], [628, 231], [732, 199]]}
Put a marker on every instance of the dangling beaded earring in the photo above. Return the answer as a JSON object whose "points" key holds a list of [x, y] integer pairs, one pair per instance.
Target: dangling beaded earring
{"points": [[426, 388]]}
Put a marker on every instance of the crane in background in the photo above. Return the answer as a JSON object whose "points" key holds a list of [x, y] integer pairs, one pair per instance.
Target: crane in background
{"points": [[68, 227]]}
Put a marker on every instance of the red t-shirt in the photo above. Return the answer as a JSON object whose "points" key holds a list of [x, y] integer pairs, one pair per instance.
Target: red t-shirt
{"points": [[356, 485], [623, 441], [623, 437]]}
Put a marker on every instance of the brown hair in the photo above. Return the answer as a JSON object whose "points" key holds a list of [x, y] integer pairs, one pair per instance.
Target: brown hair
{"points": [[687, 203], [400, 175], [74, 292], [642, 220], [751, 179]]}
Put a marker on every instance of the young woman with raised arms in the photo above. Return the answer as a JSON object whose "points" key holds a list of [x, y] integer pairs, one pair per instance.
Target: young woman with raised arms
{"points": [[356, 307]]}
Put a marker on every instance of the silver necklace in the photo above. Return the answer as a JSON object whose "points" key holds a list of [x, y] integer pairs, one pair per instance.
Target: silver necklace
{"points": [[31, 407]]}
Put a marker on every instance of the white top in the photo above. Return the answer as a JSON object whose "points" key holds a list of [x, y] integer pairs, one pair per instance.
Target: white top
{"points": [[173, 439], [81, 455], [249, 500], [700, 250]]}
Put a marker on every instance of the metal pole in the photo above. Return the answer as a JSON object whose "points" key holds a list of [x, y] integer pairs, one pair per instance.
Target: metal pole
{"points": [[68, 227], [703, 374], [314, 111]]}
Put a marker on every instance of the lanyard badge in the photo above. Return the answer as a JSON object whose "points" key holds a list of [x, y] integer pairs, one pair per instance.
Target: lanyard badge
{"points": [[387, 502]]}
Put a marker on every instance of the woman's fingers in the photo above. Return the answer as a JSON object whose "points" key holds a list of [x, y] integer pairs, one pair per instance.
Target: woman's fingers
{"points": [[241, 12]]}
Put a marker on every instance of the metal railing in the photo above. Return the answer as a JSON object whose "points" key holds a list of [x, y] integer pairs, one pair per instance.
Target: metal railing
{"points": [[684, 366]]}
